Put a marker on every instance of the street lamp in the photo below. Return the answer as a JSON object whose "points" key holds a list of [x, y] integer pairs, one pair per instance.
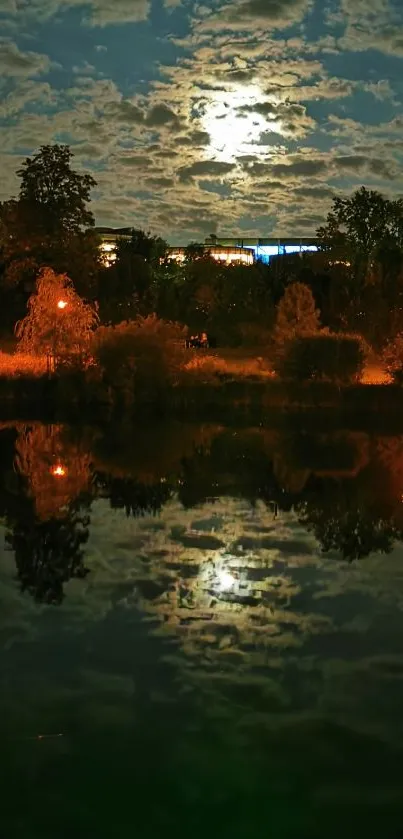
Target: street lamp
{"points": [[60, 305], [58, 471]]}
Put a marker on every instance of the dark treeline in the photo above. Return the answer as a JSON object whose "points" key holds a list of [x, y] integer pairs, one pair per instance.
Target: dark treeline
{"points": [[344, 487], [356, 279]]}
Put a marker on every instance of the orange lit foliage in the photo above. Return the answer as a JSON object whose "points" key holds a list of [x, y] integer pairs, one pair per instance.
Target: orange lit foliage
{"points": [[13, 365], [57, 471], [49, 327], [296, 314]]}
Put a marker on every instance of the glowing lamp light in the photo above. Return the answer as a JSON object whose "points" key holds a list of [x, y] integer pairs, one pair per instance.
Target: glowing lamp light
{"points": [[61, 304], [59, 471]]}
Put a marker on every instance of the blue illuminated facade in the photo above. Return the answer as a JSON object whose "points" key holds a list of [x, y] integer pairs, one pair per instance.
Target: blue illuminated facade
{"points": [[265, 249]]}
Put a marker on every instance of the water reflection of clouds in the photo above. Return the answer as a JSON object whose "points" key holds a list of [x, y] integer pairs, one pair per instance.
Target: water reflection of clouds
{"points": [[259, 608], [283, 618]]}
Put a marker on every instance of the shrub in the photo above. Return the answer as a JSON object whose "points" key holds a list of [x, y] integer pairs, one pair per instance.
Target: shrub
{"points": [[296, 314], [140, 359], [323, 356], [392, 358]]}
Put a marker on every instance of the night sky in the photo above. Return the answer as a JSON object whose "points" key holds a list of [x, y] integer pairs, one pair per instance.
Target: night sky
{"points": [[195, 118]]}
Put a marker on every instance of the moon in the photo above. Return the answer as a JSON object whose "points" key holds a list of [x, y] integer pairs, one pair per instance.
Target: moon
{"points": [[234, 131]]}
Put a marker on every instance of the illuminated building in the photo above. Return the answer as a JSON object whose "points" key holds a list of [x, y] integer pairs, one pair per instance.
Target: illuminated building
{"points": [[265, 249], [109, 237], [229, 251], [230, 255]]}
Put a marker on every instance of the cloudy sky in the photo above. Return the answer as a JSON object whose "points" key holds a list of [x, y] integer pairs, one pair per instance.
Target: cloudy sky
{"points": [[235, 118]]}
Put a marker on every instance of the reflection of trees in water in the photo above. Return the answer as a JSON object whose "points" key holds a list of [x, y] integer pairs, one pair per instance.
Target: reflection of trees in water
{"points": [[134, 497], [353, 532], [151, 453], [48, 553], [48, 511], [354, 517], [237, 463], [57, 469], [346, 488]]}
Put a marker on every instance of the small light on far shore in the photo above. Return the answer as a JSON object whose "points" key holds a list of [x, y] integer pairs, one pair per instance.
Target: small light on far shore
{"points": [[61, 304]]}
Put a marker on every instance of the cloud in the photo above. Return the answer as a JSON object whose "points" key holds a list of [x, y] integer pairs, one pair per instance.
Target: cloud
{"points": [[13, 62], [285, 118], [28, 92], [195, 139], [134, 160], [371, 25], [205, 168], [8, 7], [359, 162], [95, 12], [382, 90], [160, 183], [127, 112], [158, 148], [104, 12], [298, 166], [317, 193], [89, 151], [160, 115], [270, 14]]}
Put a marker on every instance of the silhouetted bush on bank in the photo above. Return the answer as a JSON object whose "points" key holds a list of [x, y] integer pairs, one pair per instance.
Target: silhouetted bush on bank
{"points": [[392, 358], [139, 360], [322, 356]]}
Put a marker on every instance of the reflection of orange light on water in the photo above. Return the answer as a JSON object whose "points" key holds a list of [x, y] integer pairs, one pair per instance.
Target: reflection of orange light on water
{"points": [[59, 471]]}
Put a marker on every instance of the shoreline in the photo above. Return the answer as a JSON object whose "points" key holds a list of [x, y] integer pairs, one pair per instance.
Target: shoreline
{"points": [[71, 398]]}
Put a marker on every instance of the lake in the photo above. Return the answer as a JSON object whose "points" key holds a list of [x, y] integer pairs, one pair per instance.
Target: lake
{"points": [[201, 632]]}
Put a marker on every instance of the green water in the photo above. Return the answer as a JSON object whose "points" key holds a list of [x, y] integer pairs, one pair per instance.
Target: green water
{"points": [[213, 621]]}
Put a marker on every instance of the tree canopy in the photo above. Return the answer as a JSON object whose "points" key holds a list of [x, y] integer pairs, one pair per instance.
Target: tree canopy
{"points": [[357, 227], [52, 194], [49, 224]]}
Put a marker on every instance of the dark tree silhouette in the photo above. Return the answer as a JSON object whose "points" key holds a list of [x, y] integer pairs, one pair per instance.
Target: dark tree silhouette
{"points": [[354, 533], [49, 553], [132, 496], [50, 223]]}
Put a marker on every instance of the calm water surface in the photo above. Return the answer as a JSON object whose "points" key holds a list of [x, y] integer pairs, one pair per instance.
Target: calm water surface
{"points": [[212, 619]]}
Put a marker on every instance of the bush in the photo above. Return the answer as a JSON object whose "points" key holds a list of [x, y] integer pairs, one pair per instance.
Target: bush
{"points": [[392, 358], [140, 359], [323, 357], [296, 314]]}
